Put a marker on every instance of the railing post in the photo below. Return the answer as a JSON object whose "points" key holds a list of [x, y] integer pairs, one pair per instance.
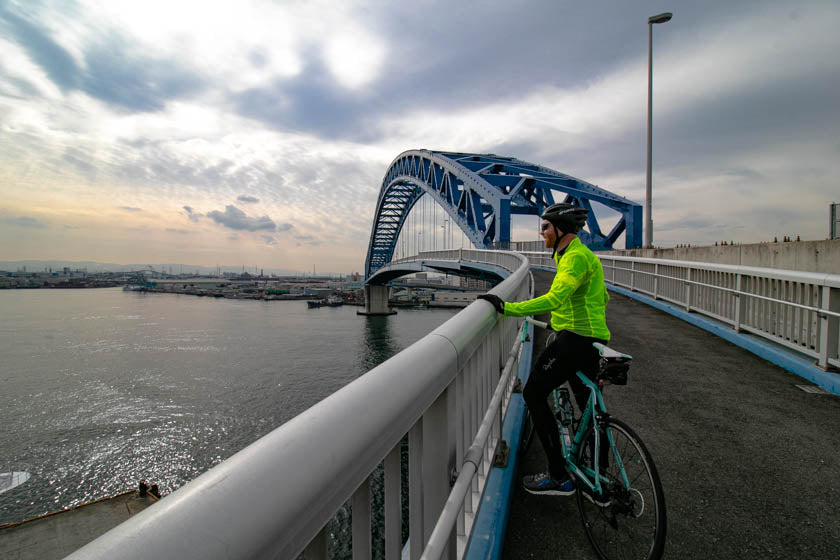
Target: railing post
{"points": [[415, 491], [503, 350], [656, 281], [740, 302], [829, 325], [393, 509], [436, 469], [632, 275], [688, 291], [360, 511]]}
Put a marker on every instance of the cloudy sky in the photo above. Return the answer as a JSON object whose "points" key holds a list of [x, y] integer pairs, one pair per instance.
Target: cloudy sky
{"points": [[258, 132]]}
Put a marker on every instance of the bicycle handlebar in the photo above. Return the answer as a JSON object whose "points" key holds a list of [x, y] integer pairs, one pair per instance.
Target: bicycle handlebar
{"points": [[536, 323]]}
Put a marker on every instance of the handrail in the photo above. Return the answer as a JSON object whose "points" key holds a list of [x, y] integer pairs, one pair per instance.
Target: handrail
{"points": [[275, 497], [446, 522], [818, 278], [797, 310]]}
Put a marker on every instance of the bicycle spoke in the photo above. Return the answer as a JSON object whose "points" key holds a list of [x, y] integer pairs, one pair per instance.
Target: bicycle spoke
{"points": [[632, 526]]}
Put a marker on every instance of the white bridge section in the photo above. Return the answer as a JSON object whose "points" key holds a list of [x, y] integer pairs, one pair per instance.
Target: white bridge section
{"points": [[451, 261], [797, 310], [447, 393]]}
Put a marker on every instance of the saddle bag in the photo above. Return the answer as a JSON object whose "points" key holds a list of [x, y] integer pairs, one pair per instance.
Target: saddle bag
{"points": [[614, 371]]}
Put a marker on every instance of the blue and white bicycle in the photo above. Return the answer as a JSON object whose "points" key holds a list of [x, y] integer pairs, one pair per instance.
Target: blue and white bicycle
{"points": [[620, 496]]}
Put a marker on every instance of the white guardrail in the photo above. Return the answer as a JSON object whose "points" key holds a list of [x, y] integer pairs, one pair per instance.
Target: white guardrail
{"points": [[274, 499], [798, 310]]}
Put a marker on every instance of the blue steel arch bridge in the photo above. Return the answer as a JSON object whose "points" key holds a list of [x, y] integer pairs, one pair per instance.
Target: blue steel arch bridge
{"points": [[479, 193]]}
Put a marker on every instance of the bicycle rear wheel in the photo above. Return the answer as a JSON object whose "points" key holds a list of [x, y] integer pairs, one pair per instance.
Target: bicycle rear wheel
{"points": [[632, 523]]}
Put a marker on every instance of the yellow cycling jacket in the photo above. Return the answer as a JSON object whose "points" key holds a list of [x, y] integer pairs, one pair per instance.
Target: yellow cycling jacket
{"points": [[577, 298]]}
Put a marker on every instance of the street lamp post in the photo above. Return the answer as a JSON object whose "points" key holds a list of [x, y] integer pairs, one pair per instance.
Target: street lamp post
{"points": [[661, 18]]}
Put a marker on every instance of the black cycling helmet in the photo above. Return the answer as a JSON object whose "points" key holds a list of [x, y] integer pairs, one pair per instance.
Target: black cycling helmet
{"points": [[566, 218]]}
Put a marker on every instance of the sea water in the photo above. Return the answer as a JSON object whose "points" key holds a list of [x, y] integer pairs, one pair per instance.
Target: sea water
{"points": [[100, 388]]}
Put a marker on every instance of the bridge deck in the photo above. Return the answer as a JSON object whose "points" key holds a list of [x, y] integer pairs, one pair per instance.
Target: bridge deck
{"points": [[749, 462]]}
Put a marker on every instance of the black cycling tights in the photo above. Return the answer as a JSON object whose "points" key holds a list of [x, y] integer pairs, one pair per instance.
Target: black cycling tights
{"points": [[558, 363]]}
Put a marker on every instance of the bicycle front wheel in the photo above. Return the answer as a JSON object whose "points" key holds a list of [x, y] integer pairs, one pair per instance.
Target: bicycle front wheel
{"points": [[628, 520]]}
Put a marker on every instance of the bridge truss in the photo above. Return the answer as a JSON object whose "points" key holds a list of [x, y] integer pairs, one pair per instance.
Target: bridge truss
{"points": [[480, 192]]}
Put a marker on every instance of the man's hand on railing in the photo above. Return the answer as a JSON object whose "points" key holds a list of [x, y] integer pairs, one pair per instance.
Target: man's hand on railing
{"points": [[495, 301]]}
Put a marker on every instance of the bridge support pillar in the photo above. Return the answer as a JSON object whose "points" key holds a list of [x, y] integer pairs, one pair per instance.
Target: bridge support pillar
{"points": [[376, 301]]}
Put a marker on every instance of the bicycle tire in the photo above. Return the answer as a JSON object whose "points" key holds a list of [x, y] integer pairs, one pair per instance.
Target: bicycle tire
{"points": [[633, 525]]}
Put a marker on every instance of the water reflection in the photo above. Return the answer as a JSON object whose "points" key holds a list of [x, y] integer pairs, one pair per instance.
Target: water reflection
{"points": [[377, 343]]}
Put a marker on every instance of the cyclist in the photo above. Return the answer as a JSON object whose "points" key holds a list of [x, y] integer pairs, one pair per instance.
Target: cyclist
{"points": [[577, 301]]}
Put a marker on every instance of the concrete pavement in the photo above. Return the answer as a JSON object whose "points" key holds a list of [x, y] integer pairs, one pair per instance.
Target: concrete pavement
{"points": [[749, 462]]}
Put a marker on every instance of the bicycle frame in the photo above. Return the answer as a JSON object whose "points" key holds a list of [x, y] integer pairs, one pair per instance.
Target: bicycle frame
{"points": [[590, 414]]}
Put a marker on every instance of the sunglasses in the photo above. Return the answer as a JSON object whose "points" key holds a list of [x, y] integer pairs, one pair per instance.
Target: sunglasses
{"points": [[545, 227]]}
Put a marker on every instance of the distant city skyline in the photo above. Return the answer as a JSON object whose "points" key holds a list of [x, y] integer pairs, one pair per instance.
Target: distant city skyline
{"points": [[259, 132], [31, 265]]}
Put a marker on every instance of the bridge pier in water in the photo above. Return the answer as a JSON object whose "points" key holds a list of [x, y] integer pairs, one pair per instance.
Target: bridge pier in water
{"points": [[376, 301]]}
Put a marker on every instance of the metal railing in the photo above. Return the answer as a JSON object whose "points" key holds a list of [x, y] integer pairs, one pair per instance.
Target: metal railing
{"points": [[798, 310], [275, 498]]}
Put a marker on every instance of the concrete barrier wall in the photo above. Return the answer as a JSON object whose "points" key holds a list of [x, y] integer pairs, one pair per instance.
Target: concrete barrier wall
{"points": [[803, 256]]}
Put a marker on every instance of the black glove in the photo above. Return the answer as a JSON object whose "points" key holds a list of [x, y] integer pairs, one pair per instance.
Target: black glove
{"points": [[495, 301]]}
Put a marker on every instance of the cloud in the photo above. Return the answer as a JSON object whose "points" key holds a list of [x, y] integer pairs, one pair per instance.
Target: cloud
{"points": [[23, 221], [269, 240], [690, 223], [193, 217], [109, 67], [306, 240], [118, 75], [234, 218], [143, 104], [180, 231], [354, 57], [82, 162], [58, 64]]}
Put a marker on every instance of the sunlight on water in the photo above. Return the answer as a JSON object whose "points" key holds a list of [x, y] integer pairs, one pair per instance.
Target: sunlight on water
{"points": [[102, 388]]}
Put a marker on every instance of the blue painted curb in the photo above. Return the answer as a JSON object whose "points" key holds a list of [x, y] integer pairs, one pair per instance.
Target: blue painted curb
{"points": [[488, 535], [782, 358]]}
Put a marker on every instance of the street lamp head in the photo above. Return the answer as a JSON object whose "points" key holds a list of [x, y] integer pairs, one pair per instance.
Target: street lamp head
{"points": [[661, 18]]}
